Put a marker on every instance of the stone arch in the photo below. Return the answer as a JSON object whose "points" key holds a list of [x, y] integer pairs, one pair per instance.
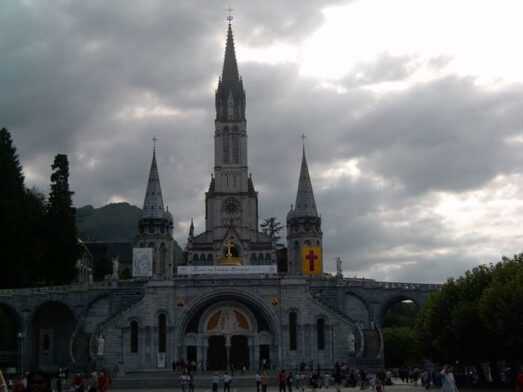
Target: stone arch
{"points": [[11, 325], [392, 300], [206, 300], [209, 344], [357, 308], [52, 328]]}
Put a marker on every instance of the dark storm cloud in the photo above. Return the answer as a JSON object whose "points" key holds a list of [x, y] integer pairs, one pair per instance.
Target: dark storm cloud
{"points": [[99, 79]]}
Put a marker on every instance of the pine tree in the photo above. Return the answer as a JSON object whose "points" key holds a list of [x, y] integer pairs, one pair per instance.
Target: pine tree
{"points": [[12, 195], [61, 227]]}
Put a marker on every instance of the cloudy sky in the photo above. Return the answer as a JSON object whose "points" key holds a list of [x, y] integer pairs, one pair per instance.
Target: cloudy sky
{"points": [[413, 111]]}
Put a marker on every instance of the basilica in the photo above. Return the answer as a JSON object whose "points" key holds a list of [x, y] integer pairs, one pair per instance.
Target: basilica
{"points": [[236, 298]]}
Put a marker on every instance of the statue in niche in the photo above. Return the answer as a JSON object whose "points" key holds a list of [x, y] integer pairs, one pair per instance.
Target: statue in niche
{"points": [[100, 345]]}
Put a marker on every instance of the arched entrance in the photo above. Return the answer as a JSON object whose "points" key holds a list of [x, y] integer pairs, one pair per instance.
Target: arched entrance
{"points": [[10, 342], [227, 331], [52, 329]]}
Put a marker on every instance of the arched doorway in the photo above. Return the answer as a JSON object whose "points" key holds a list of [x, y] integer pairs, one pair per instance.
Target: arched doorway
{"points": [[228, 330], [52, 325], [10, 328]]}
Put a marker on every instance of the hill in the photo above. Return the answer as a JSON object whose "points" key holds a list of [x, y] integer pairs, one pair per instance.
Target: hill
{"points": [[113, 222]]}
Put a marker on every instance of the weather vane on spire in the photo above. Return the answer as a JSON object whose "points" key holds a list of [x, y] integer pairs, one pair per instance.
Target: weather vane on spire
{"points": [[229, 17]]}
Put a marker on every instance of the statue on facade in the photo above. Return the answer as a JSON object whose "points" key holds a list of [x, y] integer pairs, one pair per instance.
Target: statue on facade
{"points": [[100, 345], [339, 268], [352, 342], [116, 265]]}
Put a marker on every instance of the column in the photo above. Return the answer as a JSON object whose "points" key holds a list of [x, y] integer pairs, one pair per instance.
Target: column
{"points": [[256, 364], [205, 345], [251, 352], [228, 350]]}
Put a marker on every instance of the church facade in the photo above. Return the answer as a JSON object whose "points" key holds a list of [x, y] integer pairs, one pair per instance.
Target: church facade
{"points": [[231, 302]]}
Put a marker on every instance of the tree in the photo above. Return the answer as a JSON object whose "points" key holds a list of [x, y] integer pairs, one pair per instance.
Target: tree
{"points": [[501, 308], [13, 212], [401, 347], [449, 327], [61, 227], [271, 227]]}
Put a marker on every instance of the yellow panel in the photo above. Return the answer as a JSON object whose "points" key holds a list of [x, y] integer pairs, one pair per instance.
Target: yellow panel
{"points": [[311, 259]]}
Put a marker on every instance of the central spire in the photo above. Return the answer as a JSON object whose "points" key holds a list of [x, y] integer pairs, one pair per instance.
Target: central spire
{"points": [[230, 66]]}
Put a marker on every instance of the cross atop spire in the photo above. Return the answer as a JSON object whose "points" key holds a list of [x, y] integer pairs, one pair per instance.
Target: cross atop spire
{"points": [[229, 17]]}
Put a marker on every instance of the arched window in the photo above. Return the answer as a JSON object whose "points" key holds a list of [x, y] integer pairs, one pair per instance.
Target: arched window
{"points": [[235, 148], [134, 337], [162, 333], [195, 259], [320, 333], [209, 258], [226, 148], [163, 258], [293, 329], [268, 258]]}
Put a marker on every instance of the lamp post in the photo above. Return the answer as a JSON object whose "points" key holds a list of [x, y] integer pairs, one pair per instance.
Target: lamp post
{"points": [[20, 336]]}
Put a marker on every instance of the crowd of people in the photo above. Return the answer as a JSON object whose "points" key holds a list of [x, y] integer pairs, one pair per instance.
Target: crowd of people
{"points": [[62, 381], [342, 376]]}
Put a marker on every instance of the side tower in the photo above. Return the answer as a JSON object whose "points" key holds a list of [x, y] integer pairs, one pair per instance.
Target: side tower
{"points": [[155, 227], [304, 235]]}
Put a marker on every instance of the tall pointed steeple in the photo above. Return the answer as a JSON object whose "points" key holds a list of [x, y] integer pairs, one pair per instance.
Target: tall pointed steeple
{"points": [[230, 96], [305, 203], [153, 202], [230, 66]]}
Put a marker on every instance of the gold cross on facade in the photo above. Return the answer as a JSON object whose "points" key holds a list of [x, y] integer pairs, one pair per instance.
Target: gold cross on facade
{"points": [[229, 244]]}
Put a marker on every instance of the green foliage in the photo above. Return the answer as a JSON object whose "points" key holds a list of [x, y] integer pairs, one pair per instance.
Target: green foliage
{"points": [[398, 334], [21, 211], [61, 230], [501, 308], [477, 317], [401, 314], [401, 348]]}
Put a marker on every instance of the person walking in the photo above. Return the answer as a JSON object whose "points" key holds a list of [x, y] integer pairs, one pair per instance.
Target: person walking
{"points": [[448, 383], [190, 380], [215, 382], [519, 380], [290, 381], [282, 380], [3, 384], [264, 381], [258, 381], [227, 380]]}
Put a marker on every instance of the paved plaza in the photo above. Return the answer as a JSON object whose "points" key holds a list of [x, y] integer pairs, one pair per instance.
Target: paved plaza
{"points": [[393, 388]]}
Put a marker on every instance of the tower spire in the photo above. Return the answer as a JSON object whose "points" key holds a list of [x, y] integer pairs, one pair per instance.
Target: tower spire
{"points": [[230, 66], [153, 202], [305, 203]]}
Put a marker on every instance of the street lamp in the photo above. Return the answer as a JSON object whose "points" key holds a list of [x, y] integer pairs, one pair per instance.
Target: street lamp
{"points": [[20, 336]]}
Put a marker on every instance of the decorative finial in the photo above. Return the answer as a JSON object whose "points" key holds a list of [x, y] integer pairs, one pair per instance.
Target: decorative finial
{"points": [[154, 144], [229, 17]]}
